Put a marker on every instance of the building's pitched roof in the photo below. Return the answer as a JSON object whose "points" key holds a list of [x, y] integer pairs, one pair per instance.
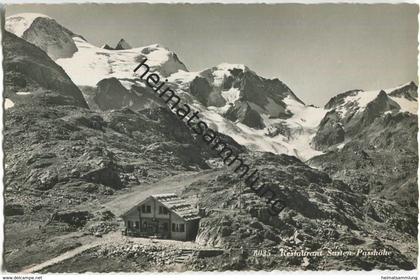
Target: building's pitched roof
{"points": [[179, 206]]}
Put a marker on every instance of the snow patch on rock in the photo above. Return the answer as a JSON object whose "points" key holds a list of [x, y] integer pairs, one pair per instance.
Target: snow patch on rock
{"points": [[23, 93], [8, 103], [231, 95], [223, 70]]}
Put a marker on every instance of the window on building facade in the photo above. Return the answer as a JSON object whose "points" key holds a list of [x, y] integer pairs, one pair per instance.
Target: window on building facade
{"points": [[128, 224], [146, 209], [137, 225], [148, 227], [178, 227], [163, 210]]}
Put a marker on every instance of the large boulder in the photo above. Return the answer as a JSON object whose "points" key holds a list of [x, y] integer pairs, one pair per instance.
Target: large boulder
{"points": [[29, 69]]}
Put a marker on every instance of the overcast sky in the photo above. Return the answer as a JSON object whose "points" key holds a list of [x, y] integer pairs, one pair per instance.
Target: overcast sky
{"points": [[317, 50]]}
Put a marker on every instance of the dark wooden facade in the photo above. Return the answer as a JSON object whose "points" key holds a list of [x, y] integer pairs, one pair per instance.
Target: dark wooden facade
{"points": [[162, 216]]}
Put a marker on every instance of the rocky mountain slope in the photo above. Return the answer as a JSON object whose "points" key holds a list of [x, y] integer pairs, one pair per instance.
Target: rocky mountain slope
{"points": [[110, 94], [31, 74], [321, 213], [377, 151], [371, 143], [74, 141], [62, 156]]}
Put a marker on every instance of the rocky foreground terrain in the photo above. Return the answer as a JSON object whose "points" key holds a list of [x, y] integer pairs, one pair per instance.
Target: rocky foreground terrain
{"points": [[73, 148], [61, 155]]}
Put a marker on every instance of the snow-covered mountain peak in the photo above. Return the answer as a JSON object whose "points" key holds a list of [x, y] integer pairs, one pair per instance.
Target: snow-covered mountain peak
{"points": [[230, 66], [106, 47], [262, 114], [44, 32], [122, 45], [103, 63], [354, 111], [155, 46], [355, 101], [19, 23], [407, 91]]}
